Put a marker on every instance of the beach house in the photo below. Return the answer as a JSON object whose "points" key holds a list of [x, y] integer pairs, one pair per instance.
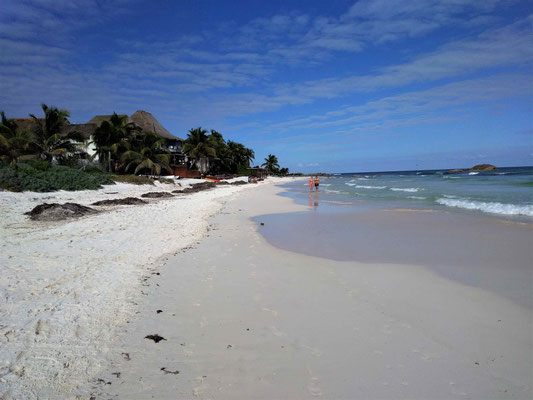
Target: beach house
{"points": [[147, 123], [143, 120]]}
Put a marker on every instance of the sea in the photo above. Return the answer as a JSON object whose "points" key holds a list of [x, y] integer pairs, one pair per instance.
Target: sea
{"points": [[503, 192], [472, 227]]}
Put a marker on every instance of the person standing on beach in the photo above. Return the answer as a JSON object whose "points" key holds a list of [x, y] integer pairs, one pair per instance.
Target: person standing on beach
{"points": [[317, 182], [311, 181]]}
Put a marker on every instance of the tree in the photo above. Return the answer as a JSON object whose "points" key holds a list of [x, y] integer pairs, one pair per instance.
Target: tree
{"points": [[217, 141], [148, 155], [249, 156], [284, 171], [48, 139], [13, 143], [271, 164], [112, 138], [198, 147]]}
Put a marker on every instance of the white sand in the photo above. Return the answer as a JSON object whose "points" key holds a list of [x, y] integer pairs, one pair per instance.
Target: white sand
{"points": [[66, 286], [245, 320]]}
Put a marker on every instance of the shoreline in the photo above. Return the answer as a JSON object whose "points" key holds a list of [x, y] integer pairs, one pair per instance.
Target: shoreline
{"points": [[67, 285], [243, 319], [479, 251]]}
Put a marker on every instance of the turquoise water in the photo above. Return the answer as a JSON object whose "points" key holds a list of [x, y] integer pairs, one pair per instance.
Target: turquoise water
{"points": [[504, 192]]}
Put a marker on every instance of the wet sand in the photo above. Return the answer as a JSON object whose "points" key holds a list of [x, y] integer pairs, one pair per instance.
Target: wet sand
{"points": [[485, 252], [243, 319]]}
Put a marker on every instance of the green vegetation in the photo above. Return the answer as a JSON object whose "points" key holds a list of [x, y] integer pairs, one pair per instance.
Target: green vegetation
{"points": [[48, 140], [271, 164], [47, 154], [231, 157], [43, 177], [148, 155], [112, 138], [133, 179]]}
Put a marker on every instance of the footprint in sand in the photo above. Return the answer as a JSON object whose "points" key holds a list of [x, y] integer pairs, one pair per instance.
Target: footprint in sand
{"points": [[313, 387], [314, 351], [276, 332], [274, 313]]}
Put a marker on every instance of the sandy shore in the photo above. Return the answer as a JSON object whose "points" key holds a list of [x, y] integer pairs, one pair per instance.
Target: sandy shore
{"points": [[242, 319], [65, 287]]}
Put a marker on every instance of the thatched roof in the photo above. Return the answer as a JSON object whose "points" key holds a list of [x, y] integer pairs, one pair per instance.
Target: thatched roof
{"points": [[86, 130], [98, 119], [142, 119], [27, 124], [147, 122]]}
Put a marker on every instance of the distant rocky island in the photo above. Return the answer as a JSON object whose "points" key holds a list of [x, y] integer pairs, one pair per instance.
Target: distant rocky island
{"points": [[475, 168]]}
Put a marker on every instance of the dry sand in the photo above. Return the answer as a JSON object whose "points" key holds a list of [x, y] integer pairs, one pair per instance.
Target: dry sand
{"points": [[242, 319], [66, 286]]}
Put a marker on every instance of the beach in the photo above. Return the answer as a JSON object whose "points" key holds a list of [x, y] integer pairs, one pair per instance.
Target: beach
{"points": [[235, 317], [66, 286]]}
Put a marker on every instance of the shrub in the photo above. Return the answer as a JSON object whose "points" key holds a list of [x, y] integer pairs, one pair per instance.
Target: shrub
{"points": [[133, 179], [24, 177]]}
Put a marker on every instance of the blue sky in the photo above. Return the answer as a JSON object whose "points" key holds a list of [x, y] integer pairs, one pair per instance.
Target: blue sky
{"points": [[338, 86]]}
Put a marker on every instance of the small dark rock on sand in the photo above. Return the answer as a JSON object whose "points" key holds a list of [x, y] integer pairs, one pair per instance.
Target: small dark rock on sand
{"points": [[116, 202], [166, 371], [58, 212], [159, 311], [156, 195], [156, 338]]}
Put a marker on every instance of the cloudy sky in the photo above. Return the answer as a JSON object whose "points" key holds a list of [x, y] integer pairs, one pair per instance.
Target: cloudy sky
{"points": [[337, 85]]}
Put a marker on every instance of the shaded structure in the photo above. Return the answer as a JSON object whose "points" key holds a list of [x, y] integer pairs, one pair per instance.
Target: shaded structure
{"points": [[257, 172]]}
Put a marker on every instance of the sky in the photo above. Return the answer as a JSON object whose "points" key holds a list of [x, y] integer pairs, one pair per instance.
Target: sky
{"points": [[326, 86]]}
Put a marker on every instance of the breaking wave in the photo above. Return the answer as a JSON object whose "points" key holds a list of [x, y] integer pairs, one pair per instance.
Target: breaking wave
{"points": [[488, 207], [364, 186], [409, 190]]}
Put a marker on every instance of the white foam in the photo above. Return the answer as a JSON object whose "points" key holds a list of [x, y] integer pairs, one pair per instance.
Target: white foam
{"points": [[364, 186], [489, 207], [417, 197], [332, 191], [473, 173], [409, 190]]}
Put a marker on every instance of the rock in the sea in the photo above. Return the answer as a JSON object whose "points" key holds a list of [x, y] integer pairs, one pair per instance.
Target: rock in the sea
{"points": [[58, 212], [483, 167], [156, 195], [117, 202], [475, 168]]}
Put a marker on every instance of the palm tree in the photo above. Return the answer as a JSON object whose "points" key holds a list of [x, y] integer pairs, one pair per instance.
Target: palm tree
{"points": [[222, 152], [271, 164], [48, 139], [198, 147], [13, 143], [150, 155], [111, 138], [240, 156], [249, 155]]}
